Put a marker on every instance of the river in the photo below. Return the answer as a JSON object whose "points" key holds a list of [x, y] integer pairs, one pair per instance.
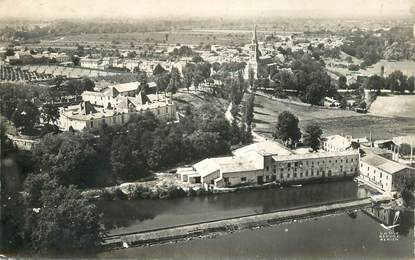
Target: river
{"points": [[333, 237], [343, 235], [138, 215]]}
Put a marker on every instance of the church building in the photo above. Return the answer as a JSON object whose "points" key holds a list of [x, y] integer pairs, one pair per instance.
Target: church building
{"points": [[257, 64]]}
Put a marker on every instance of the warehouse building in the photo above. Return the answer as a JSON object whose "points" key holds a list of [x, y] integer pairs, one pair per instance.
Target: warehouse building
{"points": [[269, 161]]}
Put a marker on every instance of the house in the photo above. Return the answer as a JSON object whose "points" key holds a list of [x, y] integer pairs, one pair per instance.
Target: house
{"points": [[330, 102], [93, 63], [12, 60], [337, 143], [24, 57], [113, 106], [61, 57], [381, 173]]}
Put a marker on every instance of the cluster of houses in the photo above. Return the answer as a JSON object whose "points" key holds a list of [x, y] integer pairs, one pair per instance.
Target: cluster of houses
{"points": [[114, 105], [269, 161], [26, 57]]}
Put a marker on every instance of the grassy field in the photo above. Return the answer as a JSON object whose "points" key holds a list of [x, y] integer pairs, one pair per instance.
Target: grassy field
{"points": [[174, 37], [331, 121], [394, 106]]}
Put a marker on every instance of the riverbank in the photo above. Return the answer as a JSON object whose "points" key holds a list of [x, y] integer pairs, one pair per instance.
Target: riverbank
{"points": [[167, 186], [202, 229]]}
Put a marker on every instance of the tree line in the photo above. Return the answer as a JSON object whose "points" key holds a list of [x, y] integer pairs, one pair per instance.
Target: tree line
{"points": [[305, 75], [395, 82]]}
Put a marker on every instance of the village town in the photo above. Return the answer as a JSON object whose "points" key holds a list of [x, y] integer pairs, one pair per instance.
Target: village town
{"points": [[103, 133]]}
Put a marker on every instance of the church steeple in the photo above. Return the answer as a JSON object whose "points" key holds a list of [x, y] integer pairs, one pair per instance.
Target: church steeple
{"points": [[254, 38], [254, 54]]}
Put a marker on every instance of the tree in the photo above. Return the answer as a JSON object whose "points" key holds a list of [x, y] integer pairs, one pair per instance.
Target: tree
{"points": [[187, 80], [300, 80], [69, 157], [363, 105], [343, 103], [142, 78], [342, 82], [197, 59], [411, 84], [66, 221], [175, 81], [251, 77], [236, 132], [26, 115], [6, 144], [405, 183], [249, 109], [312, 136], [9, 52], [315, 93], [397, 81], [375, 82], [287, 128], [50, 113], [162, 80]]}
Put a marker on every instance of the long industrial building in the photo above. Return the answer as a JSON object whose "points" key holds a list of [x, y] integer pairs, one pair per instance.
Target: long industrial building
{"points": [[269, 161]]}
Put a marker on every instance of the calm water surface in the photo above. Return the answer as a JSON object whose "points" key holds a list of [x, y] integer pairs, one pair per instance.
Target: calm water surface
{"points": [[340, 236], [127, 216]]}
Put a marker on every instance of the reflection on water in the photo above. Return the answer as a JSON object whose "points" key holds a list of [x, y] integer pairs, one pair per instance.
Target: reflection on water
{"points": [[126, 216], [403, 219], [333, 237]]}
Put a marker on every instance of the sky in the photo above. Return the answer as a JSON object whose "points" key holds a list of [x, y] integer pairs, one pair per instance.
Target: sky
{"points": [[52, 9]]}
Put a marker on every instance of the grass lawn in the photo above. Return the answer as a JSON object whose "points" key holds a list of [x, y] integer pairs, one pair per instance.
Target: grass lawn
{"points": [[394, 106], [331, 121]]}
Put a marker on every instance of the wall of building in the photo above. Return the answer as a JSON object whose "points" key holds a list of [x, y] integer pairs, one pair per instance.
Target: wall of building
{"points": [[381, 179], [65, 123], [167, 112], [210, 179], [242, 177], [307, 169]]}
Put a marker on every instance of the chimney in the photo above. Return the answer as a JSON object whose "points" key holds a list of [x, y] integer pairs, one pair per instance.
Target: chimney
{"points": [[370, 137]]}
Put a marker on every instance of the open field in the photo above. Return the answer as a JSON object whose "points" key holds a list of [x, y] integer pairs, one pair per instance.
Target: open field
{"points": [[168, 37], [406, 66], [331, 121], [394, 106]]}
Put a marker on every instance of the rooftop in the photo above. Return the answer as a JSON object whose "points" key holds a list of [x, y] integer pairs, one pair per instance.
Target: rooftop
{"points": [[317, 155], [206, 167], [267, 147], [234, 164], [126, 87], [383, 163], [338, 141]]}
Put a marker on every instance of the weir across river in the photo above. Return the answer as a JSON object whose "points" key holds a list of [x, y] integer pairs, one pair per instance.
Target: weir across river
{"points": [[200, 229]]}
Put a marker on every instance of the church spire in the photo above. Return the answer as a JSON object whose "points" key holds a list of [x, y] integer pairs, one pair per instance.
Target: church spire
{"points": [[254, 38]]}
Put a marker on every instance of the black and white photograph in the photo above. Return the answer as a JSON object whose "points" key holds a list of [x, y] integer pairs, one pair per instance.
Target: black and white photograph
{"points": [[207, 129]]}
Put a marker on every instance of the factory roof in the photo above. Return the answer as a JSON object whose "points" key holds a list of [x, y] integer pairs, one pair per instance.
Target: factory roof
{"points": [[263, 148], [383, 163], [317, 155]]}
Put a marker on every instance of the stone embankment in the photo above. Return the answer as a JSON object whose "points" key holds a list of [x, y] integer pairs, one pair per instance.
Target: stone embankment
{"points": [[203, 229]]}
